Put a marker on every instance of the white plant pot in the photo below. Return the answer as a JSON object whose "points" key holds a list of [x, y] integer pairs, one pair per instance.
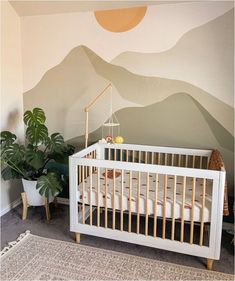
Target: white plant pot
{"points": [[33, 196]]}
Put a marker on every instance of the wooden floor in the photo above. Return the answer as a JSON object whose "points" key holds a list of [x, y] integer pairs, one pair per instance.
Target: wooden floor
{"points": [[58, 228]]}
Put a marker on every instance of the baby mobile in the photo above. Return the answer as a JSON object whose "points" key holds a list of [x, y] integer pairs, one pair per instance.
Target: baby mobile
{"points": [[111, 128]]}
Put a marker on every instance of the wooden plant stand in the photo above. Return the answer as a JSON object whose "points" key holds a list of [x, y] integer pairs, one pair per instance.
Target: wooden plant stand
{"points": [[26, 205]]}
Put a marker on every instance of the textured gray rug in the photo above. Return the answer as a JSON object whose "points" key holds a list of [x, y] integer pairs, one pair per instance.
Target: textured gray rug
{"points": [[36, 258]]}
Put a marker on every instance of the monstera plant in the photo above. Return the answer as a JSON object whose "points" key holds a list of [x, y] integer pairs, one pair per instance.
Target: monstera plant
{"points": [[30, 161]]}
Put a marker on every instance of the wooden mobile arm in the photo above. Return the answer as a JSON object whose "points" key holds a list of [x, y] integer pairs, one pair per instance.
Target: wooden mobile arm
{"points": [[87, 108]]}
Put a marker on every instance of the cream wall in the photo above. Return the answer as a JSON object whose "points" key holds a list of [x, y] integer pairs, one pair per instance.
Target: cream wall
{"points": [[47, 39], [11, 91]]}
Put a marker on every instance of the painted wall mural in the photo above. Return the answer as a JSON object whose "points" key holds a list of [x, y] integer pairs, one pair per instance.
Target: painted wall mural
{"points": [[180, 95]]}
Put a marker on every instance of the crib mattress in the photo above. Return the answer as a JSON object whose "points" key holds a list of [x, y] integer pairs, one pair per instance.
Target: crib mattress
{"points": [[151, 197]]}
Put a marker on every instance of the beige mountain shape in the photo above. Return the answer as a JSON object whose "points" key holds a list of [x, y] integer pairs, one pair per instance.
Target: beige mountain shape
{"points": [[178, 121], [148, 90], [203, 57], [66, 89]]}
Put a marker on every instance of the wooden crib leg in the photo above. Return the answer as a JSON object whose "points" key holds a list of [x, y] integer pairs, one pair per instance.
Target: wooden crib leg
{"points": [[25, 205], [77, 237], [209, 264]]}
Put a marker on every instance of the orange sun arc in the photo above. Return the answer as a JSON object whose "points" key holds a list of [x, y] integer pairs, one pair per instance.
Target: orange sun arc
{"points": [[120, 20]]}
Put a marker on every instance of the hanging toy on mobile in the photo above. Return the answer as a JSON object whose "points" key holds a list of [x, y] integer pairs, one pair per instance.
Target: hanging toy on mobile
{"points": [[119, 140], [109, 139]]}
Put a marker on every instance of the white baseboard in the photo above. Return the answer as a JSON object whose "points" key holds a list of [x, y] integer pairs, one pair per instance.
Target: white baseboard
{"points": [[64, 201], [10, 206]]}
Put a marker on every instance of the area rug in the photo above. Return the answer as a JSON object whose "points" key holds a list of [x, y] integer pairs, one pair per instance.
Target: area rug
{"points": [[36, 258]]}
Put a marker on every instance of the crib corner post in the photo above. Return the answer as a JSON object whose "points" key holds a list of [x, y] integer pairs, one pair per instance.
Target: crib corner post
{"points": [[77, 237], [209, 264], [100, 152]]}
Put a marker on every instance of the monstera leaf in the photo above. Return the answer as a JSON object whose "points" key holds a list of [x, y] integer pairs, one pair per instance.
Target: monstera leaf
{"points": [[35, 159], [8, 174], [37, 135], [49, 184], [13, 153], [7, 138], [34, 117], [56, 142]]}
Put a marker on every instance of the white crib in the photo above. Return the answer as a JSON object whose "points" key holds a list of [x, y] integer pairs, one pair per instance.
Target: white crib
{"points": [[160, 197]]}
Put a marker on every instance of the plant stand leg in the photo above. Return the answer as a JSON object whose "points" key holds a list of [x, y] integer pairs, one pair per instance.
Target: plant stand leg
{"points": [[55, 202], [209, 264], [77, 237], [48, 216], [25, 205]]}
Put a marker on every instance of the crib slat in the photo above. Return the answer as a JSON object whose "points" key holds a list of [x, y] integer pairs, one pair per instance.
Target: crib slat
{"points": [[173, 210], [159, 158], [114, 187], [133, 156], [98, 197], [202, 212], [186, 161], [127, 156], [115, 154], [138, 203], [83, 196], [90, 197], [147, 205], [122, 189], [172, 159], [139, 156], [146, 157], [155, 208], [165, 159], [106, 202], [200, 164], [152, 158], [193, 161], [164, 208], [130, 195], [109, 154], [182, 211], [192, 211], [120, 154], [179, 160]]}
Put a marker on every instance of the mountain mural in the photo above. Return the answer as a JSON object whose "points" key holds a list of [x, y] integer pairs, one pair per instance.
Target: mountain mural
{"points": [[151, 110], [178, 121], [66, 89], [147, 90], [202, 57]]}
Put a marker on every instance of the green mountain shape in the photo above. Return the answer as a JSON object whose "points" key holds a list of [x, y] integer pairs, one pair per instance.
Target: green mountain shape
{"points": [[178, 121], [148, 90]]}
